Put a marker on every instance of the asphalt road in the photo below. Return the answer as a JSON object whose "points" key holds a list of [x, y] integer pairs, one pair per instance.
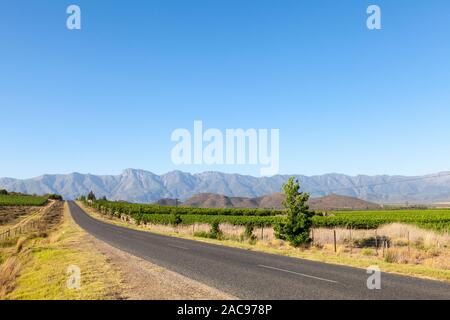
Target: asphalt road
{"points": [[252, 275]]}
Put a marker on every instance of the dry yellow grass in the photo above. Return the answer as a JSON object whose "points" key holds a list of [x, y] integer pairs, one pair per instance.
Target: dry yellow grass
{"points": [[9, 271], [35, 267]]}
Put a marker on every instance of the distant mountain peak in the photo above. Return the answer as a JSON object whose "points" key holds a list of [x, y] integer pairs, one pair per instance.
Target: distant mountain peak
{"points": [[131, 171]]}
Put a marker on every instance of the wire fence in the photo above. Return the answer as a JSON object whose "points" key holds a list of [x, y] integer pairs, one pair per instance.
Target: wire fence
{"points": [[395, 243], [354, 238], [31, 226], [34, 223]]}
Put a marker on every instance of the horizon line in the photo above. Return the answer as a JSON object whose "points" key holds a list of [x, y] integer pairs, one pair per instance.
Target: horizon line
{"points": [[230, 173]]}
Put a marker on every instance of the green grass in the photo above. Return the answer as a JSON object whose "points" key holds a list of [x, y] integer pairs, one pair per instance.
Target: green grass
{"points": [[22, 200]]}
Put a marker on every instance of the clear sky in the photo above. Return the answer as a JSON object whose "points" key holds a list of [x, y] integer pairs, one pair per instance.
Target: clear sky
{"points": [[107, 97]]}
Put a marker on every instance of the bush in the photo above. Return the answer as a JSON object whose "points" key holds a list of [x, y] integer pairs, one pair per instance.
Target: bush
{"points": [[176, 218], [379, 241], [248, 234], [368, 252], [215, 232], [201, 234], [391, 256]]}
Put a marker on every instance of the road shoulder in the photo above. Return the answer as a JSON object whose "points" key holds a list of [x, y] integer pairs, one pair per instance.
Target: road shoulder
{"points": [[143, 280]]}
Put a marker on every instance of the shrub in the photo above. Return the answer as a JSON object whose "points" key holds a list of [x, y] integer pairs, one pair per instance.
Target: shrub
{"points": [[368, 252], [379, 241], [201, 234], [248, 234], [391, 256], [176, 218], [215, 232]]}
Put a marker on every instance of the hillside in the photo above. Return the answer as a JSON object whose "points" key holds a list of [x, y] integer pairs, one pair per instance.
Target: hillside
{"points": [[273, 201], [337, 202]]}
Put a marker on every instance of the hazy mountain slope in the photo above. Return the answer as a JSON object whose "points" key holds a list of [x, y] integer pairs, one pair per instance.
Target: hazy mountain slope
{"points": [[143, 186], [208, 200], [274, 201], [337, 202]]}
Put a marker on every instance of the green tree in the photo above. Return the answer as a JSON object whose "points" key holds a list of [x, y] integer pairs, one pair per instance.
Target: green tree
{"points": [[3, 192], [295, 227], [91, 196]]}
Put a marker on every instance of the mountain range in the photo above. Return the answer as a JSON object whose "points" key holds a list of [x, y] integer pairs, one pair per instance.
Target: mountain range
{"points": [[143, 186]]}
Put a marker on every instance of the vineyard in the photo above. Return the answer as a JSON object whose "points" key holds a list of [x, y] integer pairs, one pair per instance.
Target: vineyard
{"points": [[22, 200], [154, 214], [436, 219], [132, 208]]}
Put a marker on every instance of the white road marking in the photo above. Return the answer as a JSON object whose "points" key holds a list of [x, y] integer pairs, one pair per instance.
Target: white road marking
{"points": [[174, 246], [299, 274]]}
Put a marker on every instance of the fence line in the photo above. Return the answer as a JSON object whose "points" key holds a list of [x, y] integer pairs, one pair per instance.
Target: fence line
{"points": [[32, 223]]}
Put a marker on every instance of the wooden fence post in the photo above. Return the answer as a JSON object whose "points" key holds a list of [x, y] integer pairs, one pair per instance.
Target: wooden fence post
{"points": [[334, 237], [351, 241], [376, 241], [409, 247]]}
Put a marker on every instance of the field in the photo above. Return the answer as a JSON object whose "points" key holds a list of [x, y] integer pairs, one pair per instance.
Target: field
{"points": [[22, 200], [434, 219]]}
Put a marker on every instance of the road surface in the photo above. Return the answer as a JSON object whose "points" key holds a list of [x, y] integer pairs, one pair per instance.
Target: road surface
{"points": [[253, 275]]}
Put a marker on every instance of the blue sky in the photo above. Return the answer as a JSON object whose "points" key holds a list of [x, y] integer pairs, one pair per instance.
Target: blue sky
{"points": [[107, 97]]}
